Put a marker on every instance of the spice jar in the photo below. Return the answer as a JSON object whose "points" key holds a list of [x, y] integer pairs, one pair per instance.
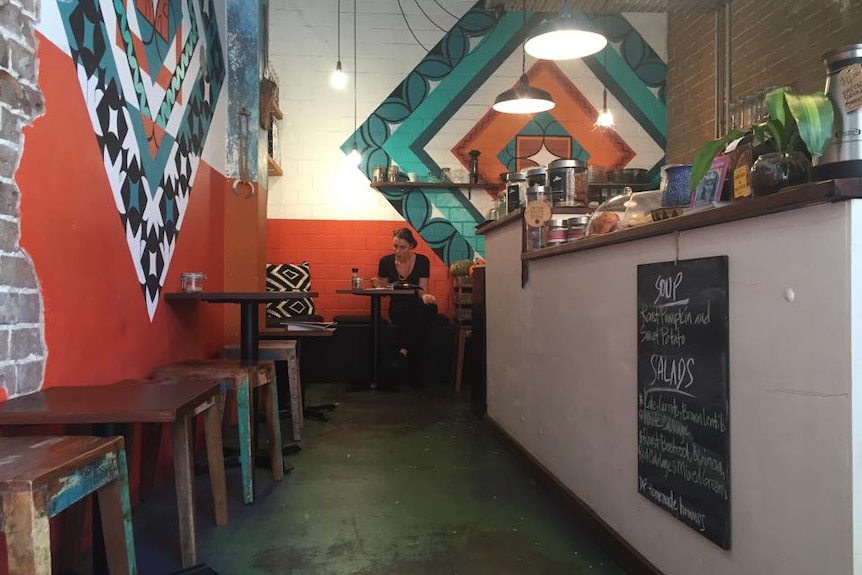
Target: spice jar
{"points": [[516, 190], [557, 232], [577, 227]]}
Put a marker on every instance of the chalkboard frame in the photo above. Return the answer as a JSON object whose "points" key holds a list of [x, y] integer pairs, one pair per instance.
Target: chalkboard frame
{"points": [[683, 392]]}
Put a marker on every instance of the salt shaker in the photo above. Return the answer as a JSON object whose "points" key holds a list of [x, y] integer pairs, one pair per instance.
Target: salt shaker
{"points": [[355, 280]]}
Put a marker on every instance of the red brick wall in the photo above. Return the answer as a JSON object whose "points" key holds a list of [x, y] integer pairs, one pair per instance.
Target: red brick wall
{"points": [[333, 247], [773, 42]]}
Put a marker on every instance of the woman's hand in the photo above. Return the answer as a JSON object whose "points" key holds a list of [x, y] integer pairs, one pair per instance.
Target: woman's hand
{"points": [[375, 282], [428, 299]]}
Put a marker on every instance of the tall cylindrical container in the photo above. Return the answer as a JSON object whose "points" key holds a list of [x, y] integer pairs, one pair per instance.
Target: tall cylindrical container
{"points": [[516, 190], [568, 182]]}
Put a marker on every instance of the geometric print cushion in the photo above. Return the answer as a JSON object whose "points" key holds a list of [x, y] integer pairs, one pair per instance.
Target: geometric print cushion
{"points": [[289, 277]]}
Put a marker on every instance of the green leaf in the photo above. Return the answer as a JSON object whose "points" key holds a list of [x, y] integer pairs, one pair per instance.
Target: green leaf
{"points": [[703, 160], [814, 118]]}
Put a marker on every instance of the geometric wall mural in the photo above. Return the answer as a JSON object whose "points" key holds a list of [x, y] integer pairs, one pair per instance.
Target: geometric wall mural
{"points": [[401, 127], [150, 72]]}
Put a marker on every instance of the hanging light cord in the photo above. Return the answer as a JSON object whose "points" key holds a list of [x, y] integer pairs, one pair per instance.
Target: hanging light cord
{"points": [[412, 33], [355, 74], [427, 17], [339, 30]]}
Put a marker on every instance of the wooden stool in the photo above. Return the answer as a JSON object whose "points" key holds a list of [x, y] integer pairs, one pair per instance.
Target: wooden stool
{"points": [[281, 350], [42, 476], [463, 332], [241, 377]]}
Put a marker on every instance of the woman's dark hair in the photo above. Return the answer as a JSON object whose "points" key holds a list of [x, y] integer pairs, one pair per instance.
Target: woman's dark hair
{"points": [[406, 235]]}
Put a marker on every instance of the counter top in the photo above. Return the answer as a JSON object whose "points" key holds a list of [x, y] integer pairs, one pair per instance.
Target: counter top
{"points": [[788, 199]]}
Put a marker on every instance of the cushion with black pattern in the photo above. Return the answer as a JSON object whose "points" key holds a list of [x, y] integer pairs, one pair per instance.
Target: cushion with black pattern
{"points": [[289, 277]]}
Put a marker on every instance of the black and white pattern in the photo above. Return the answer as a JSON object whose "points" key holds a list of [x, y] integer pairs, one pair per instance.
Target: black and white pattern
{"points": [[289, 277]]}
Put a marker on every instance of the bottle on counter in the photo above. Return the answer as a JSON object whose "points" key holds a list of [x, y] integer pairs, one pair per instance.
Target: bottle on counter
{"points": [[355, 280]]}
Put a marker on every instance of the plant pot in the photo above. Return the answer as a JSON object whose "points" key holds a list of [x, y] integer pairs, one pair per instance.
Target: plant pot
{"points": [[777, 170]]}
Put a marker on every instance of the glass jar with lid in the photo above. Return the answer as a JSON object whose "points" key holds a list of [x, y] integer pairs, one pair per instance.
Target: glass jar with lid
{"points": [[568, 181]]}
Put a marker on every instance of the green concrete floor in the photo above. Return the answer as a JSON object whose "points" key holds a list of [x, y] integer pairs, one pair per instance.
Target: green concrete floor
{"points": [[407, 483]]}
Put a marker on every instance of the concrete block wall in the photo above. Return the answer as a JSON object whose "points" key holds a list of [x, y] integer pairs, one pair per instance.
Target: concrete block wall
{"points": [[22, 341], [773, 42]]}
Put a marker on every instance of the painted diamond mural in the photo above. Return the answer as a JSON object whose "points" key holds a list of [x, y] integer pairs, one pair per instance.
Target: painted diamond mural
{"points": [[151, 72], [401, 128]]}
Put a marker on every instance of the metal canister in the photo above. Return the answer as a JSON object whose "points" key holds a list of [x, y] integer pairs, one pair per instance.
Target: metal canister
{"points": [[537, 176], [538, 193], [516, 190], [568, 181], [378, 174], [577, 227], [557, 230]]}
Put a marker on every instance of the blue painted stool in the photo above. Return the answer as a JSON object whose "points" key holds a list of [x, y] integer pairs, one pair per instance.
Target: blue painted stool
{"points": [[42, 476], [241, 378]]}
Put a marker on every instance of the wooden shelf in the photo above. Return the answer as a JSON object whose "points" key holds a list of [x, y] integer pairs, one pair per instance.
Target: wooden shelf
{"points": [[273, 169], [437, 185]]}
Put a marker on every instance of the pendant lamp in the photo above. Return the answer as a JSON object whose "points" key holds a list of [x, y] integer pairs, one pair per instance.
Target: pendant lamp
{"points": [[354, 157], [605, 118], [338, 79], [523, 98], [564, 39]]}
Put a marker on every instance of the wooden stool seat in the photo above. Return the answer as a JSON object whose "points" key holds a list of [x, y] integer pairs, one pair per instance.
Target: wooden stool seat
{"points": [[282, 350], [42, 476], [240, 377]]}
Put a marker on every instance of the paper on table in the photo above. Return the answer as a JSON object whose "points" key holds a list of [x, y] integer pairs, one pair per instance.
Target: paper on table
{"points": [[308, 325]]}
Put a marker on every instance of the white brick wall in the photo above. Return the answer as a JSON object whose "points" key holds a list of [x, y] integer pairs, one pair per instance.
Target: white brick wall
{"points": [[317, 183]]}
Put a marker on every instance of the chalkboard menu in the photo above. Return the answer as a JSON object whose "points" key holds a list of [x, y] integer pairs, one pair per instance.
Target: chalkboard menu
{"points": [[683, 392]]}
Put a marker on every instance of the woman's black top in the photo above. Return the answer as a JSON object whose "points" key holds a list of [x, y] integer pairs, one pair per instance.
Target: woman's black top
{"points": [[421, 269]]}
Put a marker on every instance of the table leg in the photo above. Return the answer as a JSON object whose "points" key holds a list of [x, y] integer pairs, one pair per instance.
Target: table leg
{"points": [[185, 491], [375, 327], [215, 461], [28, 536], [116, 509], [246, 451], [248, 331]]}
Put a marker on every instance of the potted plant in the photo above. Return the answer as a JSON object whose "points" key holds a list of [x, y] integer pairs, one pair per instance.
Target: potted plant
{"points": [[798, 128]]}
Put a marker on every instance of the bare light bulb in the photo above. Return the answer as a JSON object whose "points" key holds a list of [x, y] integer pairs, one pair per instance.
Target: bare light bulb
{"points": [[605, 118], [338, 79], [354, 157]]}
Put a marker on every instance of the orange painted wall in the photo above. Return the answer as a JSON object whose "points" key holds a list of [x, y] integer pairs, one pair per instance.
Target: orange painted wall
{"points": [[96, 324], [333, 247]]}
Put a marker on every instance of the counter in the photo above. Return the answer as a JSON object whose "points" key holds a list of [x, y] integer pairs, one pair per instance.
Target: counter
{"points": [[795, 320]]}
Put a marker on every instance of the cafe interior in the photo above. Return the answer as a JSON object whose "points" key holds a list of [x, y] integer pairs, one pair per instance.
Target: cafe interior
{"points": [[167, 167]]}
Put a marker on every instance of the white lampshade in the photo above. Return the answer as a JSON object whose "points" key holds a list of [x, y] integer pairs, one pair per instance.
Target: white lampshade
{"points": [[523, 99], [564, 39]]}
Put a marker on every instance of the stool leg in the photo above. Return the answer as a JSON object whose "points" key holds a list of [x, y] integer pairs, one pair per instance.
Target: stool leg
{"points": [[246, 457], [273, 424], [295, 388], [28, 536], [185, 490], [116, 512], [215, 462]]}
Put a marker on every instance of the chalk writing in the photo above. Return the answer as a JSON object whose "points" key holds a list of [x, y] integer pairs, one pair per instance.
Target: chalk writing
{"points": [[683, 422]]}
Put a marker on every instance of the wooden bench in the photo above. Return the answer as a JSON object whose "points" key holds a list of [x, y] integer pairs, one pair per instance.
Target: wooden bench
{"points": [[242, 378], [42, 476]]}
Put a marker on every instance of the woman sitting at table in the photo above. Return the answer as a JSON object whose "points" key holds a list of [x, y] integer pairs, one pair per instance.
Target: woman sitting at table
{"points": [[412, 312]]}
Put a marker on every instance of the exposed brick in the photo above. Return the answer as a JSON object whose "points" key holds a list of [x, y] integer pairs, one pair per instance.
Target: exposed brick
{"points": [[19, 308], [10, 128], [23, 59], [9, 198], [20, 97], [30, 375], [25, 342], [16, 272], [5, 334], [8, 159], [14, 21], [10, 233], [8, 378]]}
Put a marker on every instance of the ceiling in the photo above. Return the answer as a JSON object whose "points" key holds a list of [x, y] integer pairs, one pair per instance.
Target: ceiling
{"points": [[614, 6]]}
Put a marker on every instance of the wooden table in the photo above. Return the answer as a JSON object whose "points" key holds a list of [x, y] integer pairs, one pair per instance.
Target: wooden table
{"points": [[375, 294], [142, 401], [248, 319]]}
